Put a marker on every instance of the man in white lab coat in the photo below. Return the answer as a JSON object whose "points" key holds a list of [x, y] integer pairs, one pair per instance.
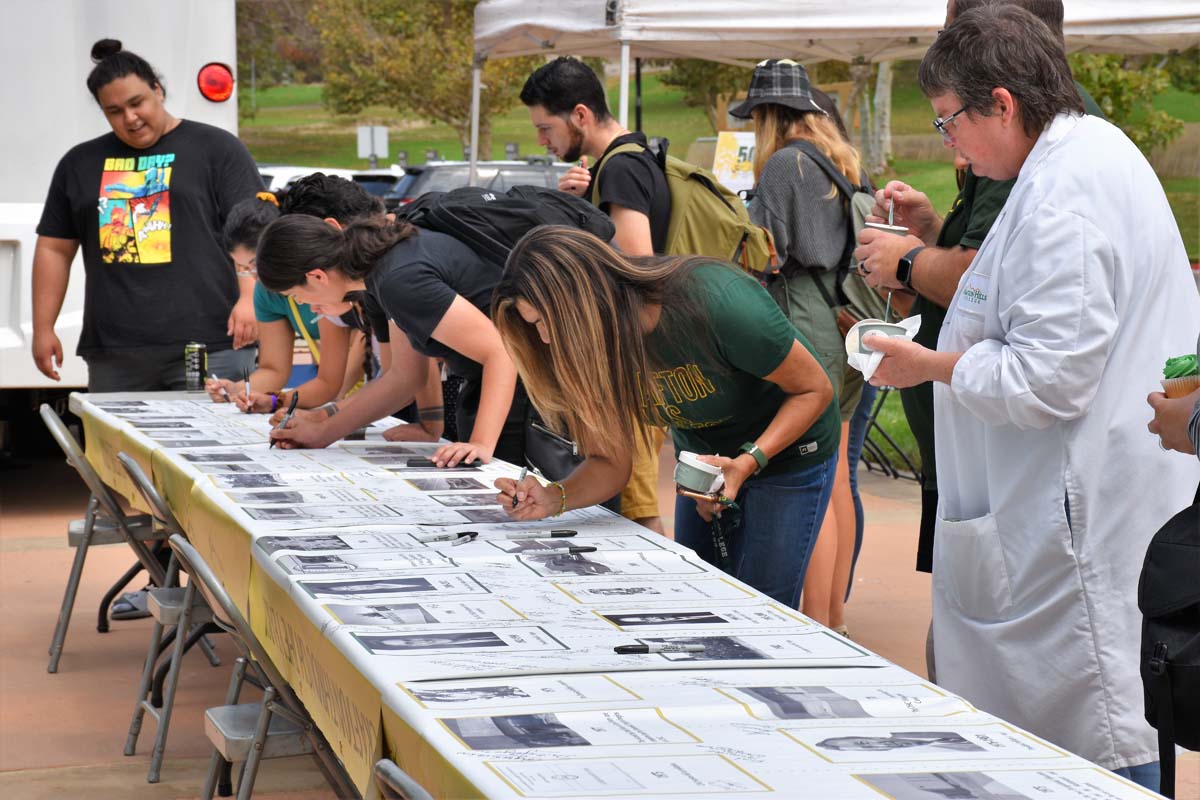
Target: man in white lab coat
{"points": [[1050, 489]]}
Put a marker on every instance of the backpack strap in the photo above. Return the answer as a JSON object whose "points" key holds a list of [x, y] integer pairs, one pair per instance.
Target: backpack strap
{"points": [[300, 326], [594, 190], [1158, 682]]}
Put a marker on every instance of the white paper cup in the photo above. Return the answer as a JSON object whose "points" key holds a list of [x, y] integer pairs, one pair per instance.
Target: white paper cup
{"points": [[855, 336], [898, 230], [698, 476]]}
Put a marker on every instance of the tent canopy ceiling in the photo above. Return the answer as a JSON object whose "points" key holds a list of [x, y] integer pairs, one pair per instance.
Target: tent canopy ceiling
{"points": [[745, 31]]}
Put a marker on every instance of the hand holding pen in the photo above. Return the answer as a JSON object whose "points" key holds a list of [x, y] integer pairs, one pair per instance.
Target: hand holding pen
{"points": [[283, 423], [217, 389]]}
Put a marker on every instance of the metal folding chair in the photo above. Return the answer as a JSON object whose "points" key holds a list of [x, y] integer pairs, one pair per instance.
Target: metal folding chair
{"points": [[247, 733], [168, 605], [104, 523], [875, 455], [396, 784]]}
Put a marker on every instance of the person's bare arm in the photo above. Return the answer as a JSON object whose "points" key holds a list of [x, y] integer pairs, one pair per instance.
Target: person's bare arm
{"points": [[52, 259], [633, 231]]}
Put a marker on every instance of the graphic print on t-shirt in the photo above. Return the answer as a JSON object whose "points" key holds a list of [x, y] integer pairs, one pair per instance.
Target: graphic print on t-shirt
{"points": [[135, 210]]}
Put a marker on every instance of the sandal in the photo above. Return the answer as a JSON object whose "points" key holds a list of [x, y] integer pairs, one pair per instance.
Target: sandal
{"points": [[131, 605]]}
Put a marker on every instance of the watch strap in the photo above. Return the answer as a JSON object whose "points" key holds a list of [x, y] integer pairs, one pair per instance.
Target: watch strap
{"points": [[757, 454], [906, 264]]}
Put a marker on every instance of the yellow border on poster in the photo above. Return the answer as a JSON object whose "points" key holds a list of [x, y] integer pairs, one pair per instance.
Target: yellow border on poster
{"points": [[342, 702], [420, 759]]}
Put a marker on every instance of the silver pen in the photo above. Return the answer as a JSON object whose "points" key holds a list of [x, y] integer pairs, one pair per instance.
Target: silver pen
{"points": [[446, 537], [540, 535], [524, 472], [220, 386], [656, 647]]}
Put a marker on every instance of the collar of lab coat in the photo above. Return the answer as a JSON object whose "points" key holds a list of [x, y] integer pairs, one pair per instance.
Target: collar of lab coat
{"points": [[1054, 134]]}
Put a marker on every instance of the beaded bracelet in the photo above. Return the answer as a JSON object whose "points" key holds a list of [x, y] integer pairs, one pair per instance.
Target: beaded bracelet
{"points": [[562, 508]]}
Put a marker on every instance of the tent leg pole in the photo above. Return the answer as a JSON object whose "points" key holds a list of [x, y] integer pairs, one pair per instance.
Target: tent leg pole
{"points": [[476, 88], [623, 108]]}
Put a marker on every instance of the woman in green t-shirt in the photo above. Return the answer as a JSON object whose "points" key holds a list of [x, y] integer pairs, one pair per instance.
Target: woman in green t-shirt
{"points": [[594, 333]]}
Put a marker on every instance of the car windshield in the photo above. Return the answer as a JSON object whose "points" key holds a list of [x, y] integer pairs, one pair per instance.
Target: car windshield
{"points": [[378, 185], [402, 186]]}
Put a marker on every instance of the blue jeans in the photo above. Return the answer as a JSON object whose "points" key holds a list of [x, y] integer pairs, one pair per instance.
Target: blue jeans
{"points": [[1144, 775], [771, 539], [854, 446]]}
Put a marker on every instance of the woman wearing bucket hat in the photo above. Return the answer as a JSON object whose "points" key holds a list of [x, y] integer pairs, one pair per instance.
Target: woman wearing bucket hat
{"points": [[798, 203]]}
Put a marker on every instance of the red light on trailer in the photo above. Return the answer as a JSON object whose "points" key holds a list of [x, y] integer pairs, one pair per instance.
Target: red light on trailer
{"points": [[215, 82]]}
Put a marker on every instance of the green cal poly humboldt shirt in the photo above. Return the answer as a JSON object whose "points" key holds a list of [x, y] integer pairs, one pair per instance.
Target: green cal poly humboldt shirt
{"points": [[712, 394]]}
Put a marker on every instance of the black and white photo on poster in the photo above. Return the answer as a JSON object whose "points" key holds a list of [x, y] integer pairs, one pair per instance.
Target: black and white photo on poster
{"points": [[383, 449], [224, 457], [469, 694], [803, 644], [941, 785], [460, 642], [447, 484], [642, 591], [486, 515], [663, 618], [407, 642], [909, 742], [364, 562], [805, 702], [429, 612], [515, 732], [631, 726], [363, 539], [366, 587], [610, 562], [272, 544], [171, 444], [541, 692], [391, 614], [147, 424], [443, 585], [466, 500]]}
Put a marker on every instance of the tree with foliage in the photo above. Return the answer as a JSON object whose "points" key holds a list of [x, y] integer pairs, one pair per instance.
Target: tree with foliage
{"points": [[707, 84], [1125, 87], [276, 43], [414, 56]]}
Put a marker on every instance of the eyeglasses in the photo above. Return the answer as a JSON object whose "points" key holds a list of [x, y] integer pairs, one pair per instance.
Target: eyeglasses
{"points": [[941, 123]]}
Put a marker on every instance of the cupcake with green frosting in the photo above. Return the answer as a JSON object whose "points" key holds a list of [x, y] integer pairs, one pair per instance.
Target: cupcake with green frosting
{"points": [[1181, 376]]}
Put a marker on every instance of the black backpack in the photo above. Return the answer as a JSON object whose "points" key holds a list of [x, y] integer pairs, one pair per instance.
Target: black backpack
{"points": [[490, 223], [1169, 598]]}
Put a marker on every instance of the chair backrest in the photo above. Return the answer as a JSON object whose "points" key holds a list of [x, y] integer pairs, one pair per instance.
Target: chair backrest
{"points": [[395, 783], [150, 494], [78, 460], [227, 615]]}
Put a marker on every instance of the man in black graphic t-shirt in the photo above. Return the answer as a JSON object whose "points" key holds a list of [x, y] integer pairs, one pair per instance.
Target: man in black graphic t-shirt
{"points": [[157, 276], [570, 113]]}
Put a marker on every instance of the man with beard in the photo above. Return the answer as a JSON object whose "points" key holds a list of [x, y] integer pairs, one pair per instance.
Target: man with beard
{"points": [[570, 113]]}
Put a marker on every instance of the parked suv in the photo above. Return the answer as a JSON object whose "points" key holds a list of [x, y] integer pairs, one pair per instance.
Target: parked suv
{"points": [[442, 176]]}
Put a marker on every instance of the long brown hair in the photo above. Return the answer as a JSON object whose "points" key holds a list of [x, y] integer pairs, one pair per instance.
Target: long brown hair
{"points": [[776, 125], [594, 380]]}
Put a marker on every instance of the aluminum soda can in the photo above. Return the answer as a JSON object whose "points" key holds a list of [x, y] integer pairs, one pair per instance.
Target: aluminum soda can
{"points": [[195, 366]]}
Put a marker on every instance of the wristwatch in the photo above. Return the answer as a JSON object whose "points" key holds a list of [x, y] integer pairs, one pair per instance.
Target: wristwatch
{"points": [[760, 457], [905, 267]]}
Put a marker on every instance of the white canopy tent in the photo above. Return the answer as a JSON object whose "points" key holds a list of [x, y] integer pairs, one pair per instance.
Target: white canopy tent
{"points": [[746, 31]]}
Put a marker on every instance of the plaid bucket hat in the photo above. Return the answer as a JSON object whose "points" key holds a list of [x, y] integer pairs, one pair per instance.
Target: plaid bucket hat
{"points": [[780, 81]]}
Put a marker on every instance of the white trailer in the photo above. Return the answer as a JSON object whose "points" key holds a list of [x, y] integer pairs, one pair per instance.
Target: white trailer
{"points": [[45, 109]]}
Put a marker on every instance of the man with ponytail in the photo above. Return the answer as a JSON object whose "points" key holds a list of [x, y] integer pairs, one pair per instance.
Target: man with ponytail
{"points": [[146, 202]]}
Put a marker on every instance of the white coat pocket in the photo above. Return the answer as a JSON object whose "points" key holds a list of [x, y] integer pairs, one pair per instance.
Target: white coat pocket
{"points": [[969, 567]]}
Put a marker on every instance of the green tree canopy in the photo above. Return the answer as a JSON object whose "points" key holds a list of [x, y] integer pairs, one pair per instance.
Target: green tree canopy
{"points": [[414, 56]]}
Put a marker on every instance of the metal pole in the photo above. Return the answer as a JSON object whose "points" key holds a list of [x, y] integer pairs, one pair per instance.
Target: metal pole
{"points": [[476, 88], [637, 98], [623, 106], [253, 85]]}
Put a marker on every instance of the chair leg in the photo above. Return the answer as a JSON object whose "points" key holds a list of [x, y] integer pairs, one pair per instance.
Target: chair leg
{"points": [[139, 710], [210, 651], [68, 603], [164, 714], [111, 595], [250, 769], [215, 763], [194, 637]]}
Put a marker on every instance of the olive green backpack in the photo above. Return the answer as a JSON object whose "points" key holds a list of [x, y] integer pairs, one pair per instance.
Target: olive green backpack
{"points": [[707, 219]]}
